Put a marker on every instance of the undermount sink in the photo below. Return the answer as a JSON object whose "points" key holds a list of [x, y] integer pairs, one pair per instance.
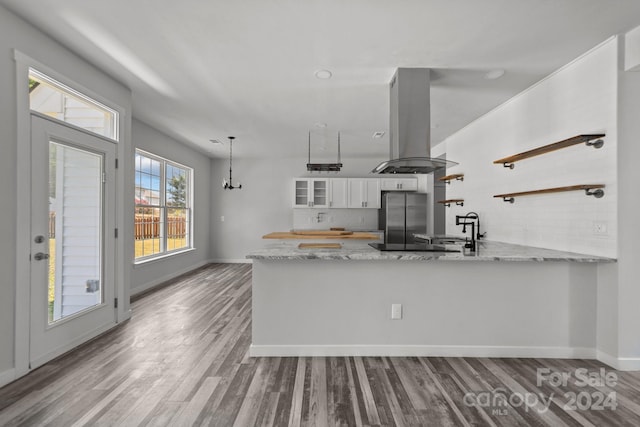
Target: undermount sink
{"points": [[445, 240]]}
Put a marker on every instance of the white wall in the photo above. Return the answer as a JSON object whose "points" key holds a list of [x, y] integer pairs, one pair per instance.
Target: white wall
{"points": [[263, 204], [151, 273], [580, 98], [16, 34], [592, 94], [549, 311], [628, 268]]}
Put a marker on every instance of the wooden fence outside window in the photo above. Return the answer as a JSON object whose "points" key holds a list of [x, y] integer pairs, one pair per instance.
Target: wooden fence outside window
{"points": [[145, 227]]}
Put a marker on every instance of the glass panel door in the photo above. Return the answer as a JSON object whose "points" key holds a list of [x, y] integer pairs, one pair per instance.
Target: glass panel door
{"points": [[72, 296], [75, 225]]}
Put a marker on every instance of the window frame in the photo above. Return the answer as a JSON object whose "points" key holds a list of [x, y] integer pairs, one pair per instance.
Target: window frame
{"points": [[46, 78], [164, 208]]}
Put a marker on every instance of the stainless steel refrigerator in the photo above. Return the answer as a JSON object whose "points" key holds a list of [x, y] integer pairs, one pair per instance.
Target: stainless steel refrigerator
{"points": [[402, 215]]}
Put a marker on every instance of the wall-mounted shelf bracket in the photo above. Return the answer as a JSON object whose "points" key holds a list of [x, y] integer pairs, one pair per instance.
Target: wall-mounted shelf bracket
{"points": [[599, 193], [598, 143], [448, 203], [449, 178]]}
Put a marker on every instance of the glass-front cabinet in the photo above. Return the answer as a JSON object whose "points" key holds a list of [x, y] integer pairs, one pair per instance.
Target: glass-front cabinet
{"points": [[311, 193]]}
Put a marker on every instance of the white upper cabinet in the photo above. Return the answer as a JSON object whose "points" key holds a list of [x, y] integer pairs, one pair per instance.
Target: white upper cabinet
{"points": [[399, 184], [311, 193], [338, 193], [364, 193]]}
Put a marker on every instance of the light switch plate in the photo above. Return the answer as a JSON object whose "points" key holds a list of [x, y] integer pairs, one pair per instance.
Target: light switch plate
{"points": [[600, 228], [396, 311]]}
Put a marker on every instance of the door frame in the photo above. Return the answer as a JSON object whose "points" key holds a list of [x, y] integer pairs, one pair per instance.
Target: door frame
{"points": [[23, 208], [97, 319]]}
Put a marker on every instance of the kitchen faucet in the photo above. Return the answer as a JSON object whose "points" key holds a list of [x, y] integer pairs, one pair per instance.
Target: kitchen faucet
{"points": [[470, 219]]}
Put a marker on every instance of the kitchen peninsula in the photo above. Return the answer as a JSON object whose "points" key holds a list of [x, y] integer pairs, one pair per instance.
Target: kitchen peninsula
{"points": [[502, 301]]}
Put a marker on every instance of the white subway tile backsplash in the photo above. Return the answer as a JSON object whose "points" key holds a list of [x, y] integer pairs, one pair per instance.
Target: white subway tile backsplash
{"points": [[351, 219]]}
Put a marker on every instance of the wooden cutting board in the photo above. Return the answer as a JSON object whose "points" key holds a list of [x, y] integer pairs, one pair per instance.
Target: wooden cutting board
{"points": [[322, 232], [356, 235], [319, 246]]}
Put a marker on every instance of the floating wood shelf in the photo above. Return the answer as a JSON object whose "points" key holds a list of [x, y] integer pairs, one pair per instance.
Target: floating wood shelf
{"points": [[589, 189], [447, 203], [508, 162], [449, 178]]}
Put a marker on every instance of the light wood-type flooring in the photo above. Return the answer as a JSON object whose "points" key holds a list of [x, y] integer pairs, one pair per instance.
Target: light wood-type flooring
{"points": [[182, 360]]}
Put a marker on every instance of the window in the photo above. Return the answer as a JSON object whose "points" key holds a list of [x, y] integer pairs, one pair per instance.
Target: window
{"points": [[162, 206], [52, 98]]}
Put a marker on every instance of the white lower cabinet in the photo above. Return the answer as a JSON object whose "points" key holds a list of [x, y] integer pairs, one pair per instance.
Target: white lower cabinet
{"points": [[364, 193]]}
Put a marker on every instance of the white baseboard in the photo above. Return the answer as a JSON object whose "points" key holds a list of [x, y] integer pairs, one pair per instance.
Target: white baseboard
{"points": [[619, 363], [160, 280], [232, 261], [420, 351], [59, 351], [7, 376]]}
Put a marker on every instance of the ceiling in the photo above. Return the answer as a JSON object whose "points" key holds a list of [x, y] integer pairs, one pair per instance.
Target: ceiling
{"points": [[202, 70]]}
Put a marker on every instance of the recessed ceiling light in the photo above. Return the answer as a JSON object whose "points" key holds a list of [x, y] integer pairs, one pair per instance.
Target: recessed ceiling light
{"points": [[323, 74], [494, 74], [378, 135]]}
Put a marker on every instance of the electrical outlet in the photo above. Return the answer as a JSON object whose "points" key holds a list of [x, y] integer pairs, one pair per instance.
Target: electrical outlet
{"points": [[396, 311], [600, 228], [222, 218]]}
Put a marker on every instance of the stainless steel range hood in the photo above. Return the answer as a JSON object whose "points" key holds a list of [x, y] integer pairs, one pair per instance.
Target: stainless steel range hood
{"points": [[410, 125]]}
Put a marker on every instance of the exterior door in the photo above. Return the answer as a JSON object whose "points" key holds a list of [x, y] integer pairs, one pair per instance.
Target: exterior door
{"points": [[72, 238]]}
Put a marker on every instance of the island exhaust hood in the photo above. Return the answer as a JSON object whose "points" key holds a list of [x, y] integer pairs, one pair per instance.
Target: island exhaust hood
{"points": [[410, 125]]}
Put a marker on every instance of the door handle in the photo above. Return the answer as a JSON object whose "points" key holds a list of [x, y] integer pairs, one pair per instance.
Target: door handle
{"points": [[40, 256]]}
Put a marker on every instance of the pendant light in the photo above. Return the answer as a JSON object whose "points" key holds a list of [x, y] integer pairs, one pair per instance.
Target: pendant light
{"points": [[229, 185]]}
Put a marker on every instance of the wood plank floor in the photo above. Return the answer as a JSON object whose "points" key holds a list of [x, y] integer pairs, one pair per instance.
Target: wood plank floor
{"points": [[182, 360]]}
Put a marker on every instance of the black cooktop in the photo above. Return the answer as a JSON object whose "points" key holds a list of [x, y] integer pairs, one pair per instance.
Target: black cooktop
{"points": [[411, 247]]}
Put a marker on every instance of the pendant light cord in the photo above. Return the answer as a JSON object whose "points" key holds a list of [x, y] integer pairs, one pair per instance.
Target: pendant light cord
{"points": [[231, 138]]}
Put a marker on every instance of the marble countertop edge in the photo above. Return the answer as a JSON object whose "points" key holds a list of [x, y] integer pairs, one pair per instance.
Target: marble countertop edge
{"points": [[487, 251]]}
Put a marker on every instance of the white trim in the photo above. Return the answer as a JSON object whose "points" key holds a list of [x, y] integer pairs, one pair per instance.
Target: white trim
{"points": [[70, 346], [24, 59], [22, 309], [161, 257], [7, 376], [420, 351], [135, 290], [232, 261], [619, 363], [23, 204]]}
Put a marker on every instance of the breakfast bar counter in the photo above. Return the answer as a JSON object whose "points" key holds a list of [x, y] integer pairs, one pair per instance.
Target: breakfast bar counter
{"points": [[502, 301], [486, 251]]}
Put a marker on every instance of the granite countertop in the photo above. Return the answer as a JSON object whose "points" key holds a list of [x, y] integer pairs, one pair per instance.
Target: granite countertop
{"points": [[487, 251]]}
